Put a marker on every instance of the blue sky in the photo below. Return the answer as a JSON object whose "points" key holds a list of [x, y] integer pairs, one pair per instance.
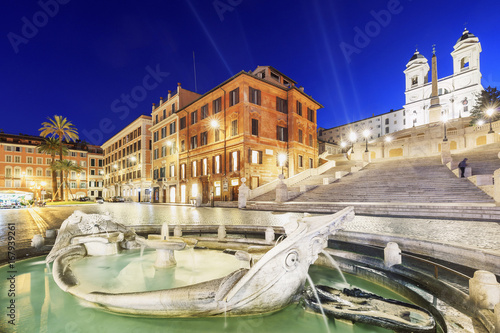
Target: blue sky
{"points": [[81, 59]]}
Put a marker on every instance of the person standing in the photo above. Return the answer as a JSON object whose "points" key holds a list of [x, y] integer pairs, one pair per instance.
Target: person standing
{"points": [[462, 166]]}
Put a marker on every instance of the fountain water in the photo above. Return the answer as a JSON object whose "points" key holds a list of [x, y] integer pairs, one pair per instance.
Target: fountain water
{"points": [[313, 288], [337, 267]]}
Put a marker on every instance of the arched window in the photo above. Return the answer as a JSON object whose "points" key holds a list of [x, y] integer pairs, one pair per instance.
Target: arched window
{"points": [[464, 63], [17, 172], [48, 173], [414, 80], [29, 171], [8, 171], [39, 172]]}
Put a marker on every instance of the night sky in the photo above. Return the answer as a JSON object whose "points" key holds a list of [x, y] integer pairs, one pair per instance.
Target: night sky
{"points": [[106, 62]]}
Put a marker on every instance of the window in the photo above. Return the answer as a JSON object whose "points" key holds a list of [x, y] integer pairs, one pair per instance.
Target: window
{"points": [[162, 172], [204, 111], [255, 127], [172, 128], [83, 164], [194, 117], [281, 105], [395, 122], [281, 133], [164, 113], [414, 80], [300, 136], [171, 148], [464, 63], [163, 151], [8, 148], [387, 121], [386, 130], [311, 143], [100, 161], [17, 183], [155, 174], [155, 154], [39, 172], [172, 170], [194, 142], [155, 136], [216, 135], [92, 162], [29, 160], [17, 159], [164, 132], [173, 108], [205, 166], [18, 149], [310, 114], [8, 183], [254, 156], [8, 158], [301, 162], [83, 185], [48, 173], [216, 164], [183, 171], [203, 138], [234, 97], [182, 123], [17, 172], [254, 96], [234, 127], [92, 172], [275, 77], [193, 169], [8, 172], [299, 108], [311, 163], [183, 145], [216, 105], [234, 158], [83, 154]]}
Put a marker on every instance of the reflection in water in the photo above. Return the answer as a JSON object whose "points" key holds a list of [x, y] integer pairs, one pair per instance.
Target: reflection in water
{"points": [[43, 307]]}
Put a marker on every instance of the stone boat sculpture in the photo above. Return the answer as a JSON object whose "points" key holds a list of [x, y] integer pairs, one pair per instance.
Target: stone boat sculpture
{"points": [[273, 282]]}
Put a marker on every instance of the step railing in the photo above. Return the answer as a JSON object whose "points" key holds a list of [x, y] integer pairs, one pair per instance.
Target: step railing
{"points": [[292, 180]]}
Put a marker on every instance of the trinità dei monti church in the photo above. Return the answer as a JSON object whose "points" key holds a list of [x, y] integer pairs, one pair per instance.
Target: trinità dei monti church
{"points": [[456, 94]]}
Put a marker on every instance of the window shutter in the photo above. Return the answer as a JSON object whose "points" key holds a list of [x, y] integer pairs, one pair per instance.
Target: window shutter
{"points": [[258, 97], [250, 93], [249, 155], [213, 164], [277, 132], [237, 160], [260, 157], [237, 97], [230, 162]]}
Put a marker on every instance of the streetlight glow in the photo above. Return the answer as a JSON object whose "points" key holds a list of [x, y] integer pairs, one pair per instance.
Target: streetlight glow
{"points": [[388, 139], [343, 144], [480, 122], [352, 136], [214, 124], [366, 133], [490, 112]]}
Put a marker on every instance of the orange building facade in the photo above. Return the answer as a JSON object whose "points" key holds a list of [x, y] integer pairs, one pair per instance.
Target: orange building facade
{"points": [[254, 125], [23, 170], [127, 162]]}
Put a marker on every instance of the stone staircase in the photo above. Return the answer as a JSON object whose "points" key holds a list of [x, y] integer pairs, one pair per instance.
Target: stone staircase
{"points": [[313, 181], [483, 160], [417, 180]]}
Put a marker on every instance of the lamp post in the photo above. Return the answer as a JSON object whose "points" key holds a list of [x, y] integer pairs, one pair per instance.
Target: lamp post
{"points": [[343, 144], [352, 138], [490, 112], [282, 160], [366, 134], [43, 190], [445, 119]]}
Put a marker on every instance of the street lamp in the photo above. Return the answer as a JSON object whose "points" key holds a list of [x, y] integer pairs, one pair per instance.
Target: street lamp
{"points": [[343, 144], [480, 122], [352, 138], [445, 119], [282, 160], [366, 134], [388, 139], [490, 112]]}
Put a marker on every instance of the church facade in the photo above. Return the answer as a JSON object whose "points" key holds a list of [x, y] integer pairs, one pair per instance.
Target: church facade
{"points": [[456, 95]]}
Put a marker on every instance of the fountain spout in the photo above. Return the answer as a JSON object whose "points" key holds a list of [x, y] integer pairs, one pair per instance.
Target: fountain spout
{"points": [[164, 231]]}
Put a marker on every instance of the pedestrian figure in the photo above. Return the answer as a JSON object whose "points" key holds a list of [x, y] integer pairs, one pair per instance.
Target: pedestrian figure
{"points": [[462, 166]]}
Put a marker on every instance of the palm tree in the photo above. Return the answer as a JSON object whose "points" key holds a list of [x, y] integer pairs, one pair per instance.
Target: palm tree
{"points": [[51, 146], [61, 128], [65, 167]]}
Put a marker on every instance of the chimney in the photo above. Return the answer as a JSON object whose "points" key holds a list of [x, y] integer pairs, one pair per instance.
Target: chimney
{"points": [[178, 87], [169, 94]]}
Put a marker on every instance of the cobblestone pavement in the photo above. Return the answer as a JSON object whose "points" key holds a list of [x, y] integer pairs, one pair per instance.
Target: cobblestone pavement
{"points": [[482, 235]]}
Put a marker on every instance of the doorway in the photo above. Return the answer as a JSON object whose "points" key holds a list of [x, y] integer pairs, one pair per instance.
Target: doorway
{"points": [[172, 194]]}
